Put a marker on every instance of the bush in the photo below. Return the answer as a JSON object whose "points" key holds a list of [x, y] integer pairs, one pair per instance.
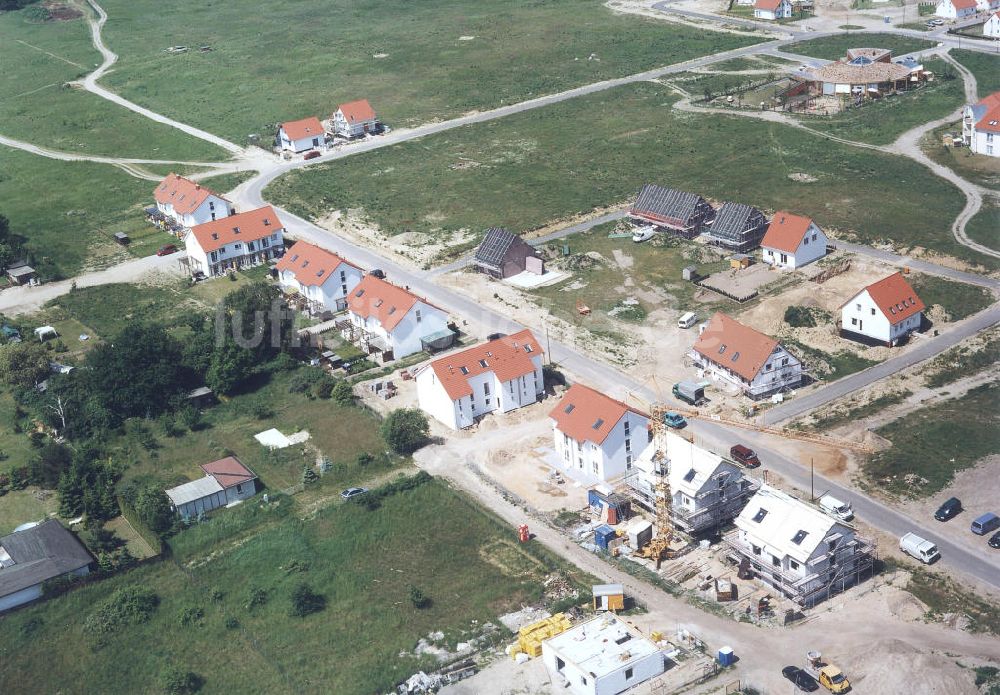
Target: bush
{"points": [[342, 393], [309, 475], [364, 458], [323, 388], [405, 430], [232, 623], [302, 380], [191, 615], [305, 601], [256, 597], [419, 599], [801, 316], [180, 682], [129, 605]]}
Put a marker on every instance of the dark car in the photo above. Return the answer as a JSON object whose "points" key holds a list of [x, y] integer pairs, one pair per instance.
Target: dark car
{"points": [[311, 154], [994, 541], [948, 510], [802, 680], [166, 250], [745, 455], [353, 492], [377, 273]]}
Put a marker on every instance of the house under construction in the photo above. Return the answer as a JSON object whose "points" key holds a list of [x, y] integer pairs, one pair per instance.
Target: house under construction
{"points": [[797, 549], [679, 211], [738, 228]]}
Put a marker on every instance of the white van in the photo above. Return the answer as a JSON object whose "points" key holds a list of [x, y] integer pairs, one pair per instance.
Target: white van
{"points": [[836, 508], [642, 234], [687, 320], [919, 548]]}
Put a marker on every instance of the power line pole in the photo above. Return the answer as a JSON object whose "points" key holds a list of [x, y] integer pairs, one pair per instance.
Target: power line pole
{"points": [[812, 479]]}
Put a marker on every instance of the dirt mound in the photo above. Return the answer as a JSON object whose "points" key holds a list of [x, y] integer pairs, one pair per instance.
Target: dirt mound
{"points": [[58, 12], [894, 666]]}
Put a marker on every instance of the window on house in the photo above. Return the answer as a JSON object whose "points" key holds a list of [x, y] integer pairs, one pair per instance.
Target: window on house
{"points": [[873, 312], [793, 564], [784, 361], [211, 205], [756, 550], [814, 236], [628, 445], [799, 537], [854, 322], [629, 673], [464, 370], [628, 462], [236, 230], [343, 276], [759, 516], [736, 355], [768, 366], [237, 246], [627, 428], [527, 348], [482, 363], [689, 476], [418, 315], [595, 466], [215, 256], [858, 306], [775, 561], [239, 489], [805, 241], [598, 423], [264, 243], [222, 249], [569, 408], [722, 349], [486, 389]]}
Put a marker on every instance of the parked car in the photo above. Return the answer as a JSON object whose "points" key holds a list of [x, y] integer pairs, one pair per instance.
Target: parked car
{"points": [[802, 680], [745, 455], [166, 250], [833, 679], [836, 508], [377, 273], [987, 523], [948, 510], [353, 492], [994, 541], [675, 420], [311, 154], [687, 320], [643, 234]]}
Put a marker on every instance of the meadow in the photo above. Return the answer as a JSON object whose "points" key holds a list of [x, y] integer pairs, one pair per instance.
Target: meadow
{"points": [[549, 164], [835, 47], [38, 105], [415, 62], [985, 226], [466, 562], [984, 66]]}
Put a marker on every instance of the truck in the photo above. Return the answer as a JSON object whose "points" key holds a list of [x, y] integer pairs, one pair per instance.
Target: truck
{"points": [[689, 392], [835, 508], [919, 548]]}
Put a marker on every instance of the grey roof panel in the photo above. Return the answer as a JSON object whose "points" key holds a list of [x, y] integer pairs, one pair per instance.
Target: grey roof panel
{"points": [[494, 246], [666, 203], [732, 221], [40, 553]]}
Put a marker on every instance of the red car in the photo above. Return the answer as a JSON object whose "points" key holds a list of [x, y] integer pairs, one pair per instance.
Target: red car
{"points": [[745, 455], [166, 250], [311, 154]]}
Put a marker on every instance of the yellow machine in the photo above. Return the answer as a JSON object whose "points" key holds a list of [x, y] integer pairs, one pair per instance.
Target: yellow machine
{"points": [[658, 549], [833, 679]]}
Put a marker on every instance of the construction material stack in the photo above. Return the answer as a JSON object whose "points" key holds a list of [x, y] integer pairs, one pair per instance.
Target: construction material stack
{"points": [[530, 637]]}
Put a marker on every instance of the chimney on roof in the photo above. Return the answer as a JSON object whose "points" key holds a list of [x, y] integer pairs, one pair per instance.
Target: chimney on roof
{"points": [[782, 220], [197, 187]]}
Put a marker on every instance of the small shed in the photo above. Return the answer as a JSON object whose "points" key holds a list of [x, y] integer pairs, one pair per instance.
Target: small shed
{"points": [[603, 535], [739, 261], [21, 273], [690, 273], [639, 532], [609, 597], [201, 397], [122, 238]]}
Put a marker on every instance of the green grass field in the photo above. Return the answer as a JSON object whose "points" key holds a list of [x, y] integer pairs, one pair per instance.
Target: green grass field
{"points": [[362, 562], [937, 441], [835, 47], [985, 226], [985, 67], [20, 506], [37, 106], [958, 299], [976, 168], [415, 62], [537, 167], [881, 122]]}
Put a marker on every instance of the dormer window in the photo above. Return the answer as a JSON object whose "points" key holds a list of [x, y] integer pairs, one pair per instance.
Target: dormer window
{"points": [[295, 258], [569, 408], [527, 348], [359, 293], [267, 222], [305, 264], [799, 537], [759, 516], [464, 370], [236, 230], [736, 355], [597, 425], [722, 349], [215, 236], [482, 363], [378, 303]]}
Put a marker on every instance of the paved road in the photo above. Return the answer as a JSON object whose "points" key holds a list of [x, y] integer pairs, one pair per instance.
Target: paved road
{"points": [[917, 264], [924, 348], [983, 565]]}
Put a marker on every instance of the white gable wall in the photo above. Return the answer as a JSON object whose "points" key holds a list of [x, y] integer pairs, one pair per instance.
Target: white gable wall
{"points": [[861, 315], [212, 208], [435, 401], [233, 255], [300, 145], [992, 30], [332, 294], [811, 248], [611, 459]]}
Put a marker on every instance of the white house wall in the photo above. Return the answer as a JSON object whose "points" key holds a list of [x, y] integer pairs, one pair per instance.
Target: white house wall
{"points": [[300, 145], [611, 459], [804, 253], [861, 315], [582, 682], [332, 294], [435, 401], [233, 255], [212, 208]]}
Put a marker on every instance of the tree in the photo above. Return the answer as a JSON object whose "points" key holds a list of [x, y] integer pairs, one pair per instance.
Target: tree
{"points": [[257, 318], [342, 393], [306, 601], [70, 494], [405, 430], [23, 365], [137, 373], [52, 461], [230, 366], [179, 682], [419, 599], [309, 475], [153, 507]]}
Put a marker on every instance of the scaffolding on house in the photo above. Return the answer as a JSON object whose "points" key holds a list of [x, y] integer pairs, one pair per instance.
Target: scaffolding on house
{"points": [[847, 565]]}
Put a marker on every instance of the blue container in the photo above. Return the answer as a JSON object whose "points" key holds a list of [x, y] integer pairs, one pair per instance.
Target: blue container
{"points": [[727, 657], [603, 535], [594, 498]]}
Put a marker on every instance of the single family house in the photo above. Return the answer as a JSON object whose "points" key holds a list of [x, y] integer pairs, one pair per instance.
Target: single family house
{"points": [[981, 123], [956, 9], [991, 28], [390, 322], [500, 375], [596, 437], [301, 135], [226, 482], [502, 254], [737, 227], [354, 119], [797, 549], [792, 241], [885, 312], [322, 277], [678, 211], [238, 241], [772, 9], [188, 203], [34, 554], [757, 364], [707, 491]]}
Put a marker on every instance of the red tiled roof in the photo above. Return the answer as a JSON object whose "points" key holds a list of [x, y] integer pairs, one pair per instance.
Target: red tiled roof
{"points": [[785, 232], [588, 415], [735, 346], [767, 4], [184, 194], [246, 226], [964, 4], [228, 471], [991, 119], [357, 111], [895, 298], [383, 300], [305, 128], [310, 264], [508, 358]]}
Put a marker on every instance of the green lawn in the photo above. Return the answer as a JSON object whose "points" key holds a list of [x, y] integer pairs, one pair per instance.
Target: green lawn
{"points": [[548, 164], [37, 106], [107, 309], [881, 122], [301, 58], [961, 361], [20, 506], [985, 226], [985, 67], [937, 441], [835, 47], [70, 211], [977, 168], [362, 562], [958, 299]]}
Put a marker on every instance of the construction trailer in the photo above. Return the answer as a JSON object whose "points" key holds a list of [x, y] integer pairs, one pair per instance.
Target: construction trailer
{"points": [[801, 552], [609, 597]]}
